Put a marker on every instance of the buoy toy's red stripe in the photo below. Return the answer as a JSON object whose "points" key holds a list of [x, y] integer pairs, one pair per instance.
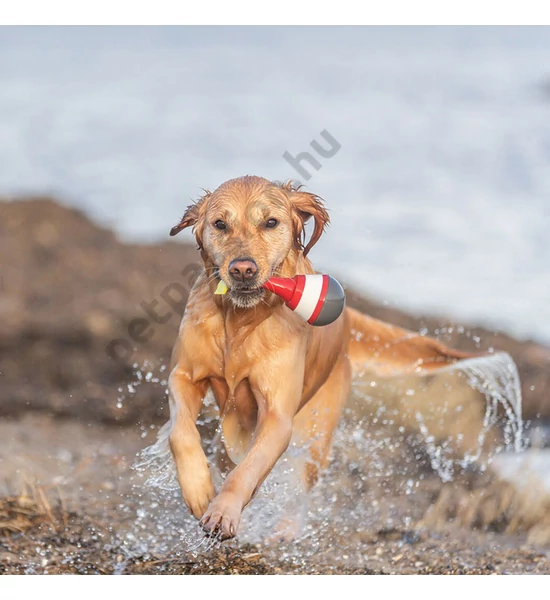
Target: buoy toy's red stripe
{"points": [[298, 292], [320, 302]]}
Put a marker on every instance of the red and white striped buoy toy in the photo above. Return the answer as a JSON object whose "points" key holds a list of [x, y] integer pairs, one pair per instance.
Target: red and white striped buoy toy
{"points": [[318, 299]]}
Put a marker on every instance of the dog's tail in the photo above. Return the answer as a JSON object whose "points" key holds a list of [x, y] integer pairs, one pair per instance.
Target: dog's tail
{"points": [[388, 350]]}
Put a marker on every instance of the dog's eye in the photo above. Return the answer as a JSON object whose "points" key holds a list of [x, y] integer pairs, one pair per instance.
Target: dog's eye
{"points": [[220, 225], [271, 223]]}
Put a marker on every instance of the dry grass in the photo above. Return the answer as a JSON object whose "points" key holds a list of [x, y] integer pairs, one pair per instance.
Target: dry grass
{"points": [[31, 507]]}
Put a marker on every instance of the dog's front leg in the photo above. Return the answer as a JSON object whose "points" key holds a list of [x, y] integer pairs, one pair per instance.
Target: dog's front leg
{"points": [[191, 463], [224, 513], [278, 401]]}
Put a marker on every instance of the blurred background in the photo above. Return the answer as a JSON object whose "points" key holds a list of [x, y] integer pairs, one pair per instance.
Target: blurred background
{"points": [[439, 193]]}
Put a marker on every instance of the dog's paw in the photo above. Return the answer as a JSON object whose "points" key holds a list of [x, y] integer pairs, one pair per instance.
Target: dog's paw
{"points": [[222, 516]]}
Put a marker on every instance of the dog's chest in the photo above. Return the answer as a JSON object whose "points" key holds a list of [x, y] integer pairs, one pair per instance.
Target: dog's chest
{"points": [[236, 365], [236, 401], [230, 372]]}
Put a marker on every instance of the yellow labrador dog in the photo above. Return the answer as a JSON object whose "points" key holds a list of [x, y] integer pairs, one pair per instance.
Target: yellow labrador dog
{"points": [[275, 378]]}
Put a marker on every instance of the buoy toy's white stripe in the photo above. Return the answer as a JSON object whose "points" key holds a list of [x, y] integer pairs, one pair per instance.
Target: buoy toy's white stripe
{"points": [[318, 299], [310, 296]]}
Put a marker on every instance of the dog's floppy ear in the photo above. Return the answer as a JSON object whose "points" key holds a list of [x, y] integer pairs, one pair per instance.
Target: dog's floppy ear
{"points": [[305, 206], [192, 218]]}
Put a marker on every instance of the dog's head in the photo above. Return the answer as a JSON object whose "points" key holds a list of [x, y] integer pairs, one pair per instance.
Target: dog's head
{"points": [[248, 227]]}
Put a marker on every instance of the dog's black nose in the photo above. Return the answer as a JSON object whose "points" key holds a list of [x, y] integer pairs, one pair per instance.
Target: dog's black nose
{"points": [[243, 269]]}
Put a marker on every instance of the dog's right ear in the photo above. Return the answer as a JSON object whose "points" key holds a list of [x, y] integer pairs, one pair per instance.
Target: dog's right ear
{"points": [[189, 219], [192, 218]]}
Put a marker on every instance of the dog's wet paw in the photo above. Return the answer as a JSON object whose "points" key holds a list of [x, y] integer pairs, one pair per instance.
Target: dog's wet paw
{"points": [[222, 516]]}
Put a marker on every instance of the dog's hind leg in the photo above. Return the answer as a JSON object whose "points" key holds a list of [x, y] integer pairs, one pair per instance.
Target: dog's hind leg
{"points": [[314, 425], [313, 431]]}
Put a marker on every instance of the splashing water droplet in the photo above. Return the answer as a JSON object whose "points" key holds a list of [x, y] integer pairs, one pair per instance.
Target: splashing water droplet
{"points": [[376, 464]]}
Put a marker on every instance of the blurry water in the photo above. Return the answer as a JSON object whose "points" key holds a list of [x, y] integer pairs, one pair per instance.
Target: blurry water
{"points": [[439, 195]]}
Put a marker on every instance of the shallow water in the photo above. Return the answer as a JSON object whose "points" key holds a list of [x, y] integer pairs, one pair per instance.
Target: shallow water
{"points": [[439, 195], [378, 471], [383, 477]]}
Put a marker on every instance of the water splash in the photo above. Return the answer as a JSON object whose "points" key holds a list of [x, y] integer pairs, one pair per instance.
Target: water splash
{"points": [[158, 462], [456, 413], [146, 373], [496, 378], [378, 467]]}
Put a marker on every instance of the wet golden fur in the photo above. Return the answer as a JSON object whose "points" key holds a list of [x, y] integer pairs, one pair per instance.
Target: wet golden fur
{"points": [[275, 378]]}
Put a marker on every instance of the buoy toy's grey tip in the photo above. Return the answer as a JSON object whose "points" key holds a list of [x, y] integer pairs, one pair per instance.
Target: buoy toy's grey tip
{"points": [[334, 304]]}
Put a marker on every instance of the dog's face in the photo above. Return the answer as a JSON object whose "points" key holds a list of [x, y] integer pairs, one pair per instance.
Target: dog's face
{"points": [[247, 236], [247, 228]]}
